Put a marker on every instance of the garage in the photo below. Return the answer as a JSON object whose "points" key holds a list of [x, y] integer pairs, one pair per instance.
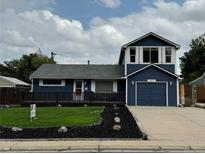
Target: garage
{"points": [[151, 94]]}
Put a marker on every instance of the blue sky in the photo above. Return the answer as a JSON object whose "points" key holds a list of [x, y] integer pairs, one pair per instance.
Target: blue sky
{"points": [[78, 30], [85, 10]]}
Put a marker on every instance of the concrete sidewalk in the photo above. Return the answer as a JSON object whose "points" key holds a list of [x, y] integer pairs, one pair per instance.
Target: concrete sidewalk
{"points": [[169, 130], [98, 146]]}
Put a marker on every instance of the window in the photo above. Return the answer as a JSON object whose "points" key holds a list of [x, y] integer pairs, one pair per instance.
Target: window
{"points": [[168, 55], [52, 82], [132, 55], [150, 55]]}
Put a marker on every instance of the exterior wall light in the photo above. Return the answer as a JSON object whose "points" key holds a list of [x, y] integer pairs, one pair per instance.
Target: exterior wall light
{"points": [[133, 83]]}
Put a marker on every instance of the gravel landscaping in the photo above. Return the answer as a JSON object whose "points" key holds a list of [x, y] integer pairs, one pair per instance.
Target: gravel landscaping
{"points": [[126, 128]]}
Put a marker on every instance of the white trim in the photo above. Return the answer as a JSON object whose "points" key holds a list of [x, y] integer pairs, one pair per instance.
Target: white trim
{"points": [[158, 50], [82, 85], [115, 86], [177, 92], [167, 94], [151, 33], [154, 66], [31, 85], [93, 85], [126, 91], [51, 85], [167, 91]]}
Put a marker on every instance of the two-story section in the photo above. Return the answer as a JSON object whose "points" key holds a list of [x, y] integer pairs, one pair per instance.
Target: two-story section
{"points": [[150, 67]]}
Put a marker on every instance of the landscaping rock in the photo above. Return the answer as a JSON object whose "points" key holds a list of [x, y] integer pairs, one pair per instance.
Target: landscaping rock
{"points": [[7, 106], [63, 129], [129, 128], [116, 114], [116, 108], [117, 120], [116, 127], [59, 105], [16, 129]]}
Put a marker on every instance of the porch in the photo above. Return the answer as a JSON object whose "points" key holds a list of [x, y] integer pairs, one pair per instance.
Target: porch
{"points": [[73, 98]]}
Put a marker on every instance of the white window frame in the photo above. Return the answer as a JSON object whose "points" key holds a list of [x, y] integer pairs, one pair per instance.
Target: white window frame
{"points": [[168, 55], [51, 85], [134, 55], [158, 49]]}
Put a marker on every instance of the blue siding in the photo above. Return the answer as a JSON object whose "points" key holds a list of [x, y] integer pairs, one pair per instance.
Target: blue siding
{"points": [[87, 85], [153, 73], [121, 86], [150, 41], [134, 67], [67, 88]]}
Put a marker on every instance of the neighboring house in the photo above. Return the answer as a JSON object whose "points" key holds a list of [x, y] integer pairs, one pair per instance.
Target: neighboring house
{"points": [[199, 81], [145, 73], [12, 82]]}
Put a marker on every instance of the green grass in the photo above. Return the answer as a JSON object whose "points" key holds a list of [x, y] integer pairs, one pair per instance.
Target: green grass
{"points": [[50, 116]]}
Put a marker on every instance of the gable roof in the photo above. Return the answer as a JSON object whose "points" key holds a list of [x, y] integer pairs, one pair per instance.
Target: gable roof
{"points": [[168, 42], [62, 71], [155, 35], [14, 81], [168, 72], [199, 81]]}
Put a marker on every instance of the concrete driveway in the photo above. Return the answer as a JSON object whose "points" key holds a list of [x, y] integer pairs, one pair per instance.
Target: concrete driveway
{"points": [[172, 124]]}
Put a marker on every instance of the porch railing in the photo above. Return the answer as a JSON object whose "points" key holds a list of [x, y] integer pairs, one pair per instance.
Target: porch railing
{"points": [[66, 97]]}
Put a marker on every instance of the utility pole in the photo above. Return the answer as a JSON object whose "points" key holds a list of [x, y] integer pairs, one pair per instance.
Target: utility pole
{"points": [[52, 55]]}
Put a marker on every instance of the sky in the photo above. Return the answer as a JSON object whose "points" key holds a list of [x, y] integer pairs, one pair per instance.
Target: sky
{"points": [[95, 30]]}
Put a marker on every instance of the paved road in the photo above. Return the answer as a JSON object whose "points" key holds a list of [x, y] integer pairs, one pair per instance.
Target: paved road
{"points": [[169, 130]]}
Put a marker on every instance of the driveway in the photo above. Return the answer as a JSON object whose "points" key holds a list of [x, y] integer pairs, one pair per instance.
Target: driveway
{"points": [[172, 124]]}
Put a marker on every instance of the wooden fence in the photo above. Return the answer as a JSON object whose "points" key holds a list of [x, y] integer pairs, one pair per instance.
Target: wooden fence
{"points": [[11, 95], [200, 94]]}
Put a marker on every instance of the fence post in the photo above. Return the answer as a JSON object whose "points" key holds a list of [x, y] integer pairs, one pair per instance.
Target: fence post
{"points": [[194, 94], [57, 97]]}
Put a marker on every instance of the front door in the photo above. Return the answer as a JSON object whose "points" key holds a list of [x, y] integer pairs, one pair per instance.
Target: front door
{"points": [[78, 90]]}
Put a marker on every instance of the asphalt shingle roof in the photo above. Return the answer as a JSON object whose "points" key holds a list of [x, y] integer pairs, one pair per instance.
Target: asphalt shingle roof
{"points": [[61, 71], [14, 81]]}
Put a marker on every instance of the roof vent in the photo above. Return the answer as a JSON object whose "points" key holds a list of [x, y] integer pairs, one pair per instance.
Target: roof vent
{"points": [[88, 62]]}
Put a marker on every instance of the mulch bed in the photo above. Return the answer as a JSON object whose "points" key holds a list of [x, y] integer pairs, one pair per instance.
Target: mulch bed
{"points": [[129, 128]]}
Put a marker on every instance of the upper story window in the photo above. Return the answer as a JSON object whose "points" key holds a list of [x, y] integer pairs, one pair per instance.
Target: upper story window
{"points": [[168, 55], [150, 55], [132, 55]]}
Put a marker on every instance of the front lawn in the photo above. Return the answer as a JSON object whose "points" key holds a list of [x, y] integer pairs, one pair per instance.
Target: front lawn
{"points": [[50, 116]]}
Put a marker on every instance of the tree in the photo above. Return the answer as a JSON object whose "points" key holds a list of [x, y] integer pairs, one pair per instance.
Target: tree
{"points": [[193, 62], [23, 67]]}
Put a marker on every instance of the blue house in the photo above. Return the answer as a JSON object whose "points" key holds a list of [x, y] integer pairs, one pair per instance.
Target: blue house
{"points": [[145, 74]]}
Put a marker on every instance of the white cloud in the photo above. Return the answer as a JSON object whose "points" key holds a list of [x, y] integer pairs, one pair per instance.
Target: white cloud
{"points": [[22, 5], [24, 31], [109, 3]]}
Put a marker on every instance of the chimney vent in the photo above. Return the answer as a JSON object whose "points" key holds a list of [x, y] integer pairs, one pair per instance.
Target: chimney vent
{"points": [[88, 62]]}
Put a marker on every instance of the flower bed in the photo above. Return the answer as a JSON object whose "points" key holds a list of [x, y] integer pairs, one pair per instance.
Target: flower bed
{"points": [[129, 128]]}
